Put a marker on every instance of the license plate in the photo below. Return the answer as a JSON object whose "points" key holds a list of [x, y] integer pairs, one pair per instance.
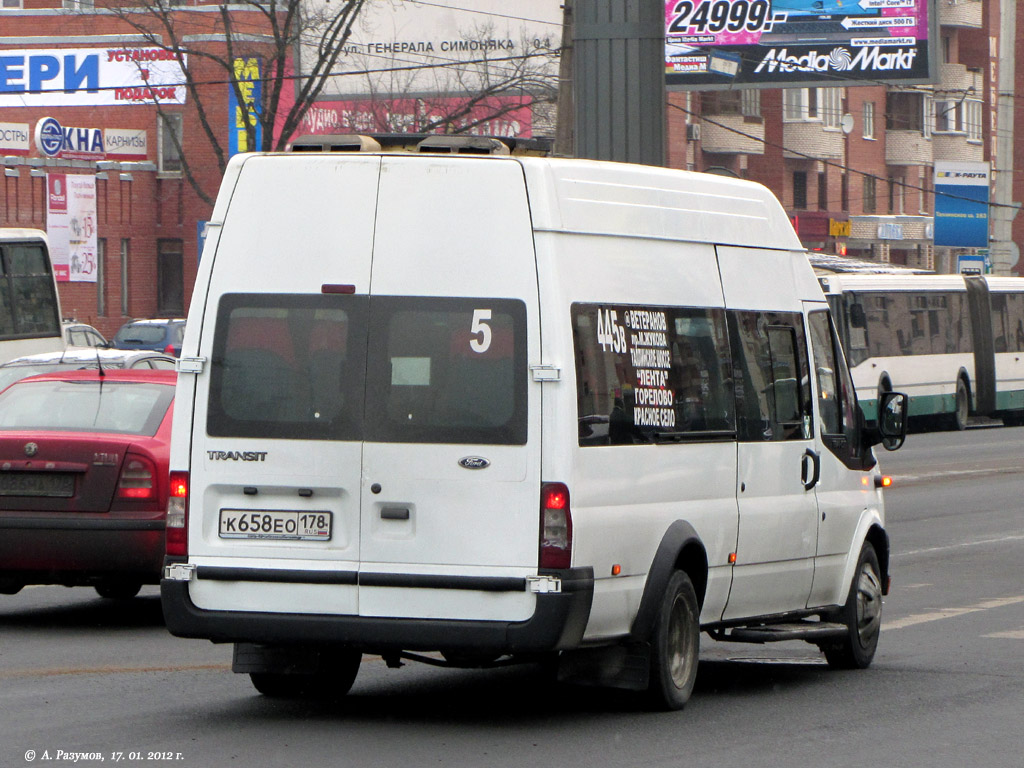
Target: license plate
{"points": [[285, 525], [59, 484]]}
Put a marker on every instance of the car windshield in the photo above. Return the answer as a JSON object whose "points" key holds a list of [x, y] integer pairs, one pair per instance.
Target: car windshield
{"points": [[141, 334], [85, 406]]}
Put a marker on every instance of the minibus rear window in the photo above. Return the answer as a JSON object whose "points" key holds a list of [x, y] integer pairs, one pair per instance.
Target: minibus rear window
{"points": [[288, 366], [447, 371], [438, 370]]}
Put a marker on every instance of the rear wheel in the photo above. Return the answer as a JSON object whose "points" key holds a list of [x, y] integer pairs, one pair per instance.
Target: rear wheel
{"points": [[961, 407], [675, 645], [118, 590], [331, 683], [862, 616]]}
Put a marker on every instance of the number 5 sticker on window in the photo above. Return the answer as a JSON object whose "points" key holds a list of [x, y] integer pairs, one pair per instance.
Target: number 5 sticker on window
{"points": [[482, 344]]}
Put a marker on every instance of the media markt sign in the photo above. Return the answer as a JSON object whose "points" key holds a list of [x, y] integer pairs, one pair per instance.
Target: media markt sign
{"points": [[55, 140]]}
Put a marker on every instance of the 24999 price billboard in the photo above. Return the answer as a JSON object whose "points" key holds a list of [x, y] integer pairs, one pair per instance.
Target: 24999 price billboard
{"points": [[772, 43]]}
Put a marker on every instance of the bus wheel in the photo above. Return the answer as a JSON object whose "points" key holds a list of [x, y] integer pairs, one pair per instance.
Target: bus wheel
{"points": [[961, 406], [675, 645], [862, 616]]}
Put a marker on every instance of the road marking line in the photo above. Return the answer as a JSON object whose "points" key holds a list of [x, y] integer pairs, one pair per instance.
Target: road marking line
{"points": [[978, 543], [107, 670], [1013, 634], [949, 613]]}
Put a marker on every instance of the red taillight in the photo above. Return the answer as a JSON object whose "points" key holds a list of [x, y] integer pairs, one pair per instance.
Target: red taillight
{"points": [[555, 526], [169, 349], [138, 479], [177, 515]]}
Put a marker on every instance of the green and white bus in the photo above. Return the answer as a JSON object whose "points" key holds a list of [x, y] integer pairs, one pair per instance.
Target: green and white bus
{"points": [[953, 343]]}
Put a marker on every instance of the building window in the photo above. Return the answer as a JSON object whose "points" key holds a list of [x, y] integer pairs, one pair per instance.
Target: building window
{"points": [[869, 119], [746, 103], [78, 5], [948, 116], [10, 4], [972, 119], [925, 184], [904, 111], [124, 275], [170, 142], [832, 107], [822, 191], [844, 192], [895, 195], [800, 190], [170, 277], [868, 199], [800, 104]]}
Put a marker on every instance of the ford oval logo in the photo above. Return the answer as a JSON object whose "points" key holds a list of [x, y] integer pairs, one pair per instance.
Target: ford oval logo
{"points": [[474, 462]]}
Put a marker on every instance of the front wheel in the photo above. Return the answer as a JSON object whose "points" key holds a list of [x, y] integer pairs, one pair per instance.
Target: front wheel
{"points": [[675, 645], [862, 616]]}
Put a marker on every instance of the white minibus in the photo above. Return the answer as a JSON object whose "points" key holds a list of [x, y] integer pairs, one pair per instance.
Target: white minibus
{"points": [[474, 410]]}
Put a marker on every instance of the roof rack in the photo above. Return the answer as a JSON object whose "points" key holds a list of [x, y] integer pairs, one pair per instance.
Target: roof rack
{"points": [[422, 142]]}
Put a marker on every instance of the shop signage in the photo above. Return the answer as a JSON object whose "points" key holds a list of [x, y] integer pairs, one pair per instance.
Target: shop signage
{"points": [[14, 138], [961, 204], [122, 144], [77, 77], [56, 140]]}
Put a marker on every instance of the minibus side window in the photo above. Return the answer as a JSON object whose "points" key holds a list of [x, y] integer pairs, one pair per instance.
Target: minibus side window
{"points": [[652, 374], [837, 402], [773, 398]]}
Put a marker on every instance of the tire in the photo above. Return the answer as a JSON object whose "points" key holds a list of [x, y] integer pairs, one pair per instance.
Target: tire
{"points": [[675, 645], [328, 684], [961, 406], [118, 590], [862, 616]]}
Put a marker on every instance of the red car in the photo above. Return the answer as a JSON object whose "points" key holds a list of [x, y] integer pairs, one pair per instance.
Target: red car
{"points": [[84, 479]]}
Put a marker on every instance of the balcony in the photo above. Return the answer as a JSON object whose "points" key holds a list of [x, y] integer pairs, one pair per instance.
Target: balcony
{"points": [[719, 139], [907, 148], [955, 147], [960, 13], [811, 140]]}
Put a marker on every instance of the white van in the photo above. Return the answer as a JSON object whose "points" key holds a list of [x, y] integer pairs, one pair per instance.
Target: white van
{"points": [[510, 408]]}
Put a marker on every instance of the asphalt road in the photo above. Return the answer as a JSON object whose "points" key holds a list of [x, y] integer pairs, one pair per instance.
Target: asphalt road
{"points": [[83, 675]]}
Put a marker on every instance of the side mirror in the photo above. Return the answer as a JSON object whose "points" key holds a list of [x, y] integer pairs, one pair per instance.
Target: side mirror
{"points": [[892, 419], [857, 317]]}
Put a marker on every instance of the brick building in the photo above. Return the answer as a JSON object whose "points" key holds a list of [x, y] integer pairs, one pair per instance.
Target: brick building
{"points": [[854, 166], [148, 217]]}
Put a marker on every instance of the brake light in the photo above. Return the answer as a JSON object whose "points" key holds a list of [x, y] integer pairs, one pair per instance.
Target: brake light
{"points": [[177, 515], [169, 349], [138, 479], [555, 526]]}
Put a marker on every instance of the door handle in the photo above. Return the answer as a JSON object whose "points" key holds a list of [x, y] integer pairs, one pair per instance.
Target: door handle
{"points": [[815, 474]]}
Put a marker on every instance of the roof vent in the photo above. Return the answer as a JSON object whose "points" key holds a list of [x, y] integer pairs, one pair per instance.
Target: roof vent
{"points": [[463, 145], [339, 142]]}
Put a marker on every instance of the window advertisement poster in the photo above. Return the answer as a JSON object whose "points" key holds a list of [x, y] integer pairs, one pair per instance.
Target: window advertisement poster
{"points": [[961, 204], [89, 77], [773, 43], [71, 226]]}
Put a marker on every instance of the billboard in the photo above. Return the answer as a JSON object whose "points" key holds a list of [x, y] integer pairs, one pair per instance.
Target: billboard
{"points": [[961, 204], [787, 43], [89, 77]]}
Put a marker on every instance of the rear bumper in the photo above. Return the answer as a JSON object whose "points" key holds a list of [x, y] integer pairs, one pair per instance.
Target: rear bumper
{"points": [[558, 622], [80, 551]]}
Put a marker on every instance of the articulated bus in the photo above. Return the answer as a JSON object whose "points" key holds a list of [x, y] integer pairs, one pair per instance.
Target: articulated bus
{"points": [[953, 343], [29, 306]]}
